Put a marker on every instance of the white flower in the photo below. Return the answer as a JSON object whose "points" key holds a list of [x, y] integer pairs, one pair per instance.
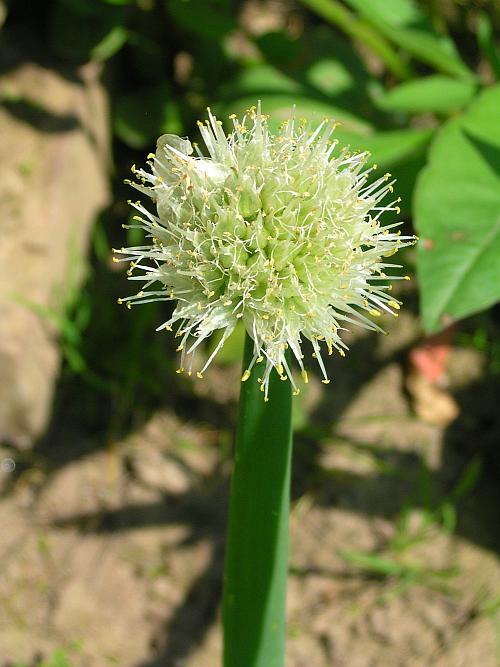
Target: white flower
{"points": [[280, 231]]}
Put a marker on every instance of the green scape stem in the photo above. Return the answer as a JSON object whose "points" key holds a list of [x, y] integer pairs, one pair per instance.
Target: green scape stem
{"points": [[256, 564], [337, 14]]}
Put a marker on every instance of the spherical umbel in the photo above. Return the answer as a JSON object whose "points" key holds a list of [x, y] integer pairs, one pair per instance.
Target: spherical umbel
{"points": [[279, 231]]}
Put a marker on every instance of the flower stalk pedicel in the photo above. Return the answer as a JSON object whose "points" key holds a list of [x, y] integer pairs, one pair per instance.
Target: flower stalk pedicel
{"points": [[282, 232]]}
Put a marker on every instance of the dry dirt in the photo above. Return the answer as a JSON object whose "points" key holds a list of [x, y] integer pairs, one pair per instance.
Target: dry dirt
{"points": [[114, 553]]}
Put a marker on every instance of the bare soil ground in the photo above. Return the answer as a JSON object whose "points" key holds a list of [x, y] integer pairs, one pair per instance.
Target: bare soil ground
{"points": [[113, 551]]}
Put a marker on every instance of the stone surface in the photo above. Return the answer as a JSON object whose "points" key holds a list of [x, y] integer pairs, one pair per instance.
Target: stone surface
{"points": [[54, 158]]}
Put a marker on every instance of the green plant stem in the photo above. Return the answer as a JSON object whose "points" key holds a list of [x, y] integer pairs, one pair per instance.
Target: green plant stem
{"points": [[256, 564], [335, 12]]}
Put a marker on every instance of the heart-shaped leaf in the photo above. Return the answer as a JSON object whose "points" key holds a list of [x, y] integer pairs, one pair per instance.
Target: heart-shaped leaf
{"points": [[457, 211]]}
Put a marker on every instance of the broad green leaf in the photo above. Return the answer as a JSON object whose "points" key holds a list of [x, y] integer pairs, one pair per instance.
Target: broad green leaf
{"points": [[387, 149], [402, 22], [259, 79], [326, 78], [433, 50], [457, 214], [281, 105], [432, 93], [279, 93]]}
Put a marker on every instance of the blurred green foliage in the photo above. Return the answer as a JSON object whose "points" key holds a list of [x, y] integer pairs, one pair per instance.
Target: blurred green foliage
{"points": [[415, 83], [412, 82]]}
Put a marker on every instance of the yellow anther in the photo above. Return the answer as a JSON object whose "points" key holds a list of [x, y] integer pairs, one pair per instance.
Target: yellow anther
{"points": [[374, 312], [305, 376], [180, 370], [199, 375], [394, 304], [245, 376], [325, 381]]}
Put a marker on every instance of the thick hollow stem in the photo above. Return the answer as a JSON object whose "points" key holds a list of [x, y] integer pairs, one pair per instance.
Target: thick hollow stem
{"points": [[256, 562]]}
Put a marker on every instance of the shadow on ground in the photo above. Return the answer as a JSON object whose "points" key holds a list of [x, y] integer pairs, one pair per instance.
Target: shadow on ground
{"points": [[405, 477]]}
